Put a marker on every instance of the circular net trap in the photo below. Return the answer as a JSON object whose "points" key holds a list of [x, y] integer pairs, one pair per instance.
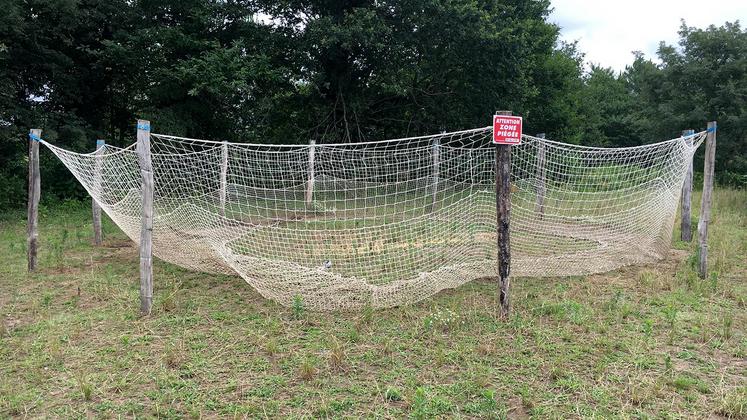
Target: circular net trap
{"points": [[391, 222]]}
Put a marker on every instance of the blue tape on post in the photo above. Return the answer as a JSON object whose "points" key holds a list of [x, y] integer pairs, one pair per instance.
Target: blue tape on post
{"points": [[145, 127], [34, 137], [711, 129], [100, 142]]}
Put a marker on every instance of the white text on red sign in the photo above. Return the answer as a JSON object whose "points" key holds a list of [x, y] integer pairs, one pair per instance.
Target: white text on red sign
{"points": [[506, 129]]}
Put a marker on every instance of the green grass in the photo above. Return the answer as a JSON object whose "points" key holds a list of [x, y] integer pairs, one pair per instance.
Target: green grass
{"points": [[641, 342]]}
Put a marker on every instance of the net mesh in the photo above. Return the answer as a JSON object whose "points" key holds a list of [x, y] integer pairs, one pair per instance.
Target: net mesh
{"points": [[391, 222]]}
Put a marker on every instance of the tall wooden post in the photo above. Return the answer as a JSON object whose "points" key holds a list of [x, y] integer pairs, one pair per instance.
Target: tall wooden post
{"points": [[96, 209], [436, 153], [539, 206], [686, 233], [471, 168], [503, 214], [705, 202], [310, 181], [223, 178], [32, 232], [146, 226]]}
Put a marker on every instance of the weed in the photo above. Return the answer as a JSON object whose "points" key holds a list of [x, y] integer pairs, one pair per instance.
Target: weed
{"points": [[307, 370], [387, 347], [733, 403], [557, 373], [648, 327], [353, 334], [443, 320], [174, 356], [726, 324], [393, 394], [271, 347], [693, 260], [298, 307], [85, 388], [571, 310], [527, 397], [367, 314], [58, 249], [426, 406], [670, 315], [337, 356], [615, 300], [713, 281], [169, 301], [702, 329], [484, 349], [643, 390], [684, 382]]}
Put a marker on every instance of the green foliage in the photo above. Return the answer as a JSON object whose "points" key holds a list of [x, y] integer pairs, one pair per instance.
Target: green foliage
{"points": [[606, 105], [297, 307], [443, 320], [703, 79], [307, 370], [733, 403], [286, 72], [393, 394]]}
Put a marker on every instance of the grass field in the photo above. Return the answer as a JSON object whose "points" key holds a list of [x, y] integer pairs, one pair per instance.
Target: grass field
{"points": [[640, 342]]}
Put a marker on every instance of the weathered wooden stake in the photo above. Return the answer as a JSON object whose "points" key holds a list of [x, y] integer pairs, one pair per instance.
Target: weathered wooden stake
{"points": [[96, 209], [686, 233], [146, 227], [436, 162], [503, 214], [541, 177], [223, 178], [705, 202], [32, 232], [310, 181], [471, 168]]}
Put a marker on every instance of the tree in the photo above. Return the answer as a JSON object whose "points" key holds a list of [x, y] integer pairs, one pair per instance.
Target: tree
{"points": [[706, 79], [338, 71], [556, 109], [607, 107], [396, 68]]}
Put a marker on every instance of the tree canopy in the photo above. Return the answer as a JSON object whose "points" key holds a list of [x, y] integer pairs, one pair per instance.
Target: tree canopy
{"points": [[290, 71]]}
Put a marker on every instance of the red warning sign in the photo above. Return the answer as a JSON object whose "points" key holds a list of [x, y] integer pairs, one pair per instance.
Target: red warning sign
{"points": [[506, 129]]}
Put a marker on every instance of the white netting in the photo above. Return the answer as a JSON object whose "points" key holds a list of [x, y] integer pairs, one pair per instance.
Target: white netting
{"points": [[391, 222]]}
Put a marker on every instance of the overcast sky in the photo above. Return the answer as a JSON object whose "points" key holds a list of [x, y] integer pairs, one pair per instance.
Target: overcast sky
{"points": [[608, 31]]}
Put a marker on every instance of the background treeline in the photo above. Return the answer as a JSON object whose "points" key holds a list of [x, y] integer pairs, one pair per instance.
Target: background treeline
{"points": [[340, 70]]}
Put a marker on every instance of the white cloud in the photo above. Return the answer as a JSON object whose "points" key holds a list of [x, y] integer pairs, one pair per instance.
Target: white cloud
{"points": [[609, 31]]}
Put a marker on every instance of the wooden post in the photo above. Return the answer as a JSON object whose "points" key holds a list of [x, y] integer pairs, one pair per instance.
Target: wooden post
{"points": [[686, 233], [96, 209], [705, 202], [471, 168], [539, 207], [223, 178], [146, 227], [32, 232], [503, 217], [310, 181], [436, 152]]}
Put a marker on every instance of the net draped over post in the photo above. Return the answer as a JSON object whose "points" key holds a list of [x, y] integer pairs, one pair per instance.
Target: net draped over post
{"points": [[392, 222]]}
